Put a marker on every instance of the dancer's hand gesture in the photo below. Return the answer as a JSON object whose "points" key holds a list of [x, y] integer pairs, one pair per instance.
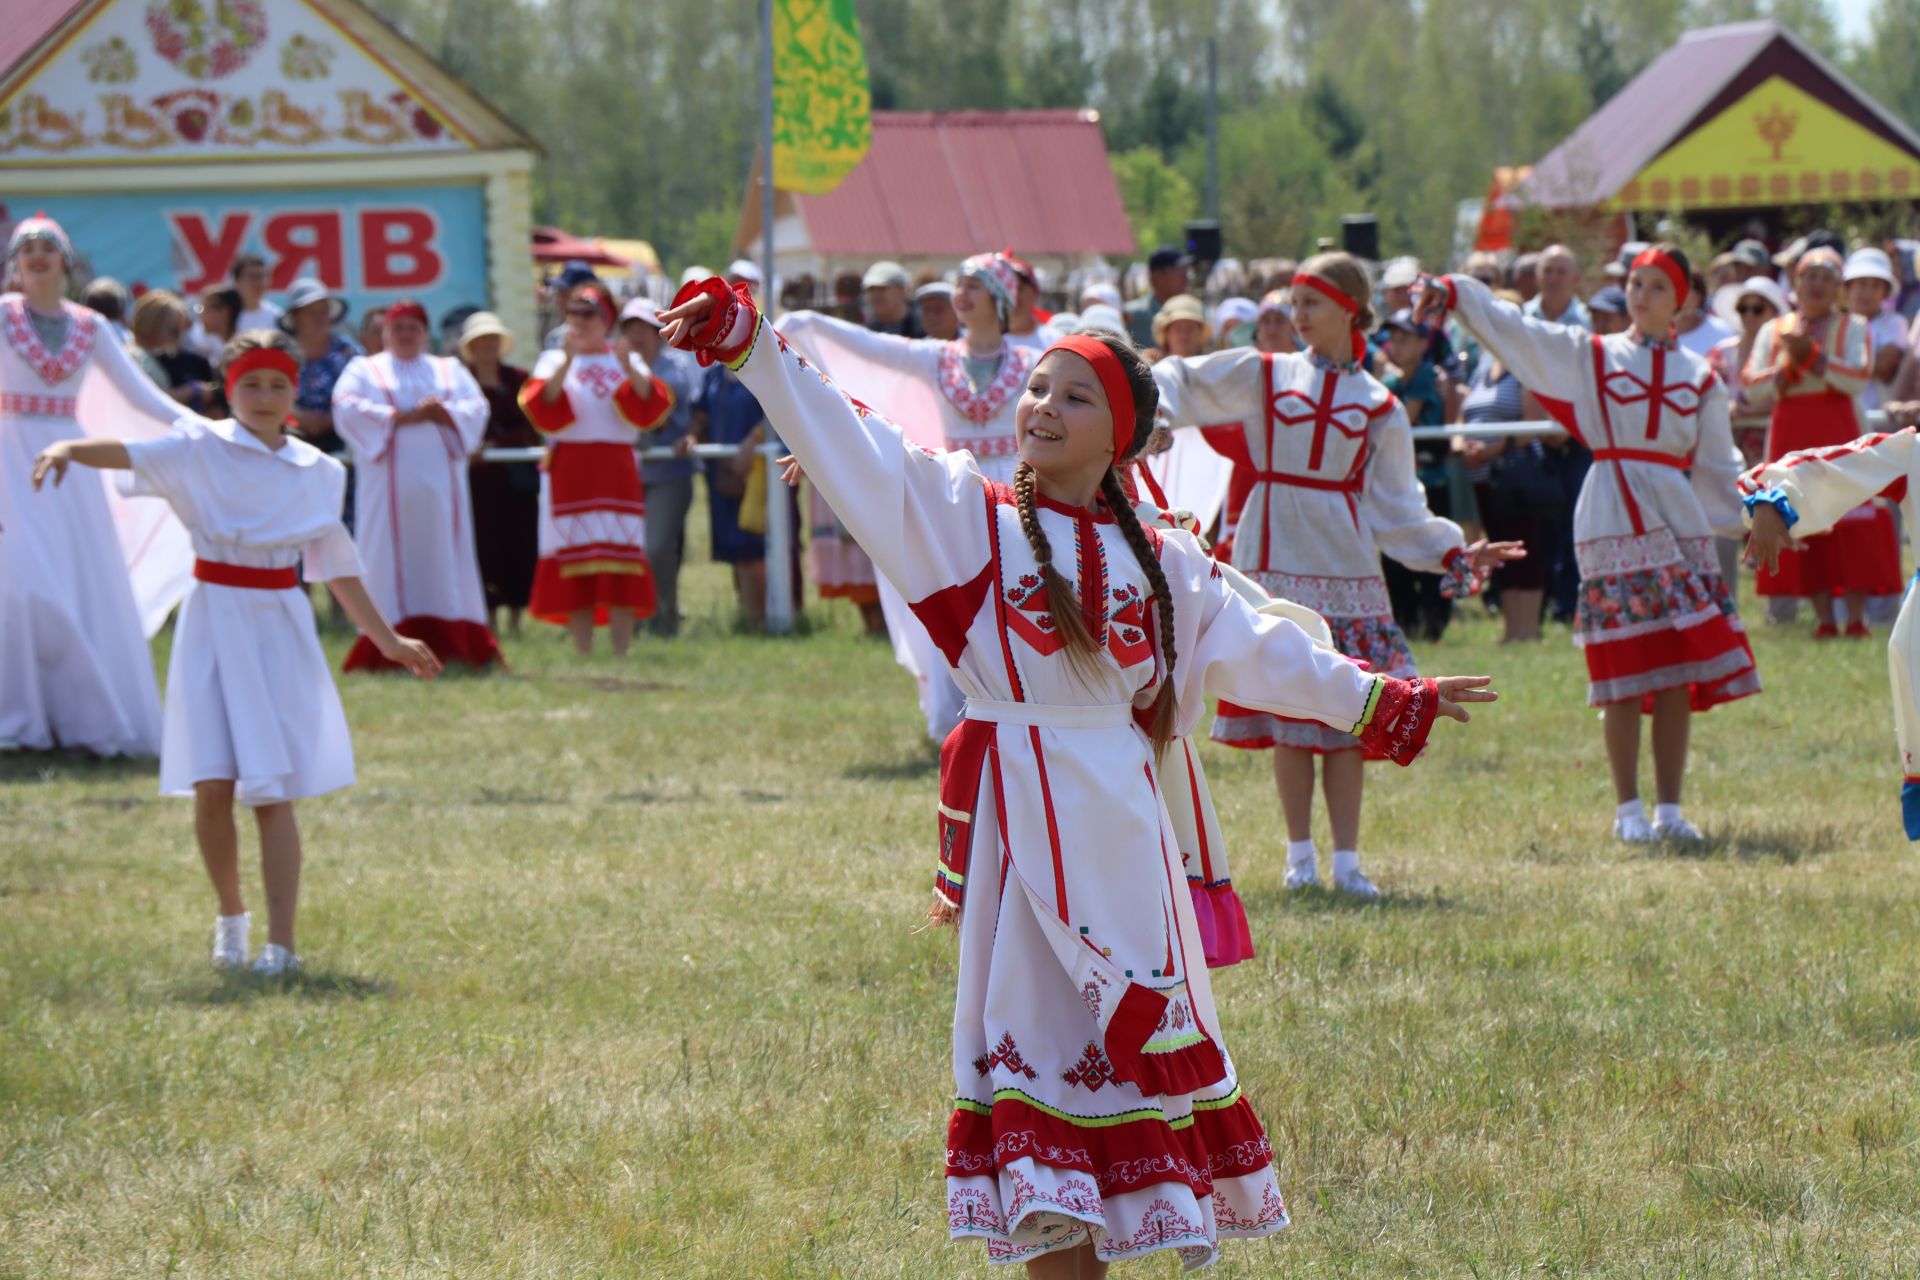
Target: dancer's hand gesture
{"points": [[1455, 690], [53, 460], [685, 318], [1768, 539]]}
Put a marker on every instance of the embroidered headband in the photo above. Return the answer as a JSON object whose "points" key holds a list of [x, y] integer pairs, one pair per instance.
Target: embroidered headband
{"points": [[405, 309], [1664, 263], [996, 272], [1340, 299], [598, 299], [40, 227], [261, 358], [1818, 258], [1113, 380]]}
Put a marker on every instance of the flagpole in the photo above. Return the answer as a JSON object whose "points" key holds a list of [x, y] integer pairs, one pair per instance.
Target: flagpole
{"points": [[779, 497]]}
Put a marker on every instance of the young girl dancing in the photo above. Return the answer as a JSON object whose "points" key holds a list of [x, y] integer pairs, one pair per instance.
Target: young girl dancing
{"points": [[1098, 1116], [1331, 456], [1656, 620], [1808, 493], [251, 708]]}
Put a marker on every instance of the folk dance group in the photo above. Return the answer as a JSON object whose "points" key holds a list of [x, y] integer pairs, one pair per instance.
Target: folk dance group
{"points": [[1064, 618]]}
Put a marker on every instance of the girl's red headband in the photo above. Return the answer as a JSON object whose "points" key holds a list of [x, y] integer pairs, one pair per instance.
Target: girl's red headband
{"points": [[1340, 299], [599, 301], [405, 309], [1667, 267], [261, 358], [1113, 380]]}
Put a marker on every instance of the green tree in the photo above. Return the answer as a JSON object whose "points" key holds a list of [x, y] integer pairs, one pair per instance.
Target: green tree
{"points": [[1158, 199], [1887, 63]]}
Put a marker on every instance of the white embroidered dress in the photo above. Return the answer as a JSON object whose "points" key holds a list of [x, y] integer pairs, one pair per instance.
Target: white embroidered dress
{"points": [[413, 515], [923, 381], [1335, 486], [84, 577], [1095, 1098], [249, 695]]}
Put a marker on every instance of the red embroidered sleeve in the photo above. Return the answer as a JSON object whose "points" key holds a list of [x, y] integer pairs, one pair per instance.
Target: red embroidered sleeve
{"points": [[547, 416], [726, 335], [1403, 716], [645, 412]]}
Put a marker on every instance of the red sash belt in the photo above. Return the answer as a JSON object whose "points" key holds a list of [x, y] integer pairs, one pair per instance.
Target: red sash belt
{"points": [[1642, 455], [239, 575], [962, 756], [1308, 482]]}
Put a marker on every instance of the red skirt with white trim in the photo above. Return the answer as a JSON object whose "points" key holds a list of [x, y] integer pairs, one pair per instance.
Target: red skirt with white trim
{"points": [[452, 640], [1859, 554], [1671, 624], [593, 536]]}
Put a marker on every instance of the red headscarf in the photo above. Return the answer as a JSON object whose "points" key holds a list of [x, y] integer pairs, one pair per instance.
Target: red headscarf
{"points": [[1665, 264], [1113, 380], [261, 358], [1340, 299]]}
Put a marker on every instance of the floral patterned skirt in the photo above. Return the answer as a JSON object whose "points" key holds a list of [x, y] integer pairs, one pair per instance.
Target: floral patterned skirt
{"points": [[1373, 639], [1659, 616]]}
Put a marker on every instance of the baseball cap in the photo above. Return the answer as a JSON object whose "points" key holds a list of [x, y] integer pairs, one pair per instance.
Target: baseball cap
{"points": [[933, 289], [1751, 253], [1400, 273], [1167, 256], [745, 270], [640, 309], [1611, 300], [884, 273], [1403, 321]]}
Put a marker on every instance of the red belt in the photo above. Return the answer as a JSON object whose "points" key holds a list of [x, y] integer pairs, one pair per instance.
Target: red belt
{"points": [[1308, 482], [1642, 455], [239, 575]]}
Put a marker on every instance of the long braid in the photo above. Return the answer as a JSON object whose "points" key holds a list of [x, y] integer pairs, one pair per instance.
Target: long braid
{"points": [[1064, 608], [1123, 515]]}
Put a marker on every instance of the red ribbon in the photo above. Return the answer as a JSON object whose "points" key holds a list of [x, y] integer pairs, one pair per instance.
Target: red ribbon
{"points": [[1113, 379], [1664, 263], [262, 358], [1340, 299], [601, 302]]}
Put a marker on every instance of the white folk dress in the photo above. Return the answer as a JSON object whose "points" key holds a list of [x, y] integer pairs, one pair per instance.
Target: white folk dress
{"points": [[1095, 1099], [249, 695], [412, 514], [1335, 485], [923, 382], [1654, 612], [1815, 490], [84, 577]]}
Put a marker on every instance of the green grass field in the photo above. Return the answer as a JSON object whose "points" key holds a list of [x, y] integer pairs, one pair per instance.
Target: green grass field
{"points": [[614, 971]]}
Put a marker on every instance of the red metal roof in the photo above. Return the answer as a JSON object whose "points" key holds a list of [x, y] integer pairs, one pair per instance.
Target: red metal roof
{"points": [[28, 23], [945, 184]]}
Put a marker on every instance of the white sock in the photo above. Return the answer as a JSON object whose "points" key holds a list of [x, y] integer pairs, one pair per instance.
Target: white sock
{"points": [[1346, 862], [1666, 814], [1301, 853], [1631, 809], [239, 922]]}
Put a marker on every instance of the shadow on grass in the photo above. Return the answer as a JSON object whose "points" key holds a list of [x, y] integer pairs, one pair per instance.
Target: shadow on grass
{"points": [[602, 684], [1787, 845], [241, 987], [905, 769], [1320, 900], [71, 766], [488, 795]]}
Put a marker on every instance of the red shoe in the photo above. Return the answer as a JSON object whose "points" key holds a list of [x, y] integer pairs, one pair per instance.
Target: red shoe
{"points": [[1857, 631], [1826, 631]]}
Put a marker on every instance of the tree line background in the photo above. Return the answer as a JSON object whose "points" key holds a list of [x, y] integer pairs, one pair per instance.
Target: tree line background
{"points": [[649, 112]]}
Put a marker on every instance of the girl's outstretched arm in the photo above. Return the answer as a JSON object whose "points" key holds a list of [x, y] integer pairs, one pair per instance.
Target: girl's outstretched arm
{"points": [[394, 647], [108, 455]]}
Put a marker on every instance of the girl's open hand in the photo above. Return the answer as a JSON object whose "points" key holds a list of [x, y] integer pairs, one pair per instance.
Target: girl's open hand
{"points": [[1488, 556], [791, 471], [53, 460], [414, 656], [1768, 538], [685, 318], [1455, 690]]}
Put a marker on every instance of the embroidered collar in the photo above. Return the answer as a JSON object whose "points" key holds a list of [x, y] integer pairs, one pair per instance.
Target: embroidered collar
{"points": [[293, 450], [1669, 343], [1097, 513], [53, 367], [980, 407], [1329, 365]]}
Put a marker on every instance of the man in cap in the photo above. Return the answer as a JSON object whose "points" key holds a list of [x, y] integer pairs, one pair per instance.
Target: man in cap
{"points": [[934, 303], [668, 481], [1396, 284], [1169, 274], [887, 310], [1751, 257], [559, 292], [1607, 308]]}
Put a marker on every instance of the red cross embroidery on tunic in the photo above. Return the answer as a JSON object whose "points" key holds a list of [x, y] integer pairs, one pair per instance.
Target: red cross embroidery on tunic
{"points": [[53, 368], [1126, 634], [1682, 399], [1350, 420]]}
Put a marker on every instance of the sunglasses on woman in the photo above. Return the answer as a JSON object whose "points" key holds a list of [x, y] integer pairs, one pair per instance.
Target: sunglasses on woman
{"points": [[1757, 309]]}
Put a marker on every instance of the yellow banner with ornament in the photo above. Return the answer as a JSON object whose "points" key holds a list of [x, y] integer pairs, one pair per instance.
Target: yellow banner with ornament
{"points": [[1777, 145], [822, 111]]}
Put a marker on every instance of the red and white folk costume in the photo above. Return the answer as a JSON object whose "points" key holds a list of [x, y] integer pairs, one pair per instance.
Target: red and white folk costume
{"points": [[1095, 1098], [1815, 490], [1331, 455], [593, 508], [1654, 611], [1816, 406], [412, 514], [77, 602]]}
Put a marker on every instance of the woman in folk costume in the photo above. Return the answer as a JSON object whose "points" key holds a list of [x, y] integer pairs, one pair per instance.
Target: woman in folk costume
{"points": [[1098, 1115], [954, 395], [251, 708], [412, 420], [85, 576], [1805, 494], [1331, 454], [1810, 366], [1656, 621], [595, 398]]}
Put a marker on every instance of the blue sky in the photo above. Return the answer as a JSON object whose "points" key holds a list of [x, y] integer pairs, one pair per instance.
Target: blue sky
{"points": [[1852, 16]]}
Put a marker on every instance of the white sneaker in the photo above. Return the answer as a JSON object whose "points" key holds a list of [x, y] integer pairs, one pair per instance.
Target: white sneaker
{"points": [[1634, 829], [1302, 875], [1679, 829], [275, 960], [230, 941], [1357, 884]]}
